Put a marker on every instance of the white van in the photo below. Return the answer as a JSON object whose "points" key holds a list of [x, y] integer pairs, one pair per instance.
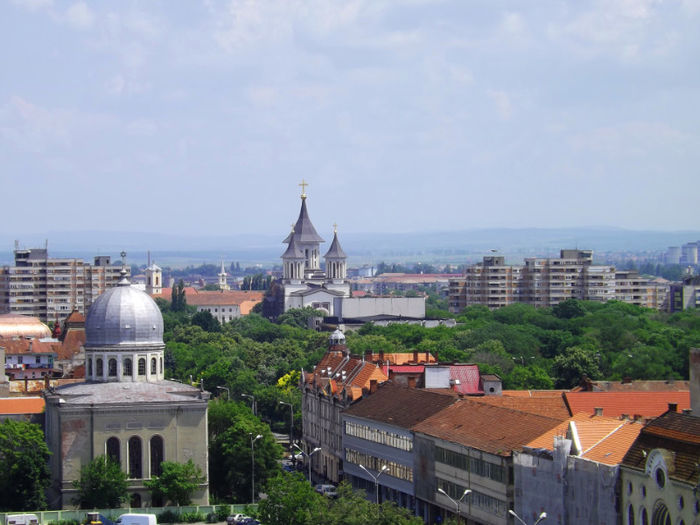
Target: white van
{"points": [[21, 519], [137, 519]]}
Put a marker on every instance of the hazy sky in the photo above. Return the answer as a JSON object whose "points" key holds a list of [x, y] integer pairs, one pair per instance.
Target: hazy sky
{"points": [[403, 115]]}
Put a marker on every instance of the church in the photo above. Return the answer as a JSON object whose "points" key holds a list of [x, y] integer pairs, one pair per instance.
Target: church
{"points": [[125, 409], [303, 281]]}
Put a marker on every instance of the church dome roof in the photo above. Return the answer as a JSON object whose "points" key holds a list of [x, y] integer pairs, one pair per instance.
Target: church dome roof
{"points": [[304, 230], [124, 316], [335, 251], [18, 325]]}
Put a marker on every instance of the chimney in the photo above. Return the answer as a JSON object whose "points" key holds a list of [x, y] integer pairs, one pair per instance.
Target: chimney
{"points": [[673, 407], [372, 386], [638, 417], [695, 381], [381, 356], [624, 417], [47, 382], [598, 411], [411, 382], [626, 380], [368, 356], [415, 356]]}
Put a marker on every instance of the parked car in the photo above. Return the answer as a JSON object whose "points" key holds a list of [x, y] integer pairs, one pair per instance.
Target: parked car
{"points": [[237, 519], [326, 490], [137, 519]]}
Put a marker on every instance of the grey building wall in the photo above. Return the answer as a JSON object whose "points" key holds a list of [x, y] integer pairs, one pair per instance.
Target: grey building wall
{"points": [[358, 307]]}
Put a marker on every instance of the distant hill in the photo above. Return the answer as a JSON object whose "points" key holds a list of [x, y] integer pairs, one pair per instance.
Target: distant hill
{"points": [[444, 246]]}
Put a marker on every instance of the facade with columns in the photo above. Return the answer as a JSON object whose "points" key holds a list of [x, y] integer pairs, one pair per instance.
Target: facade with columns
{"points": [[304, 282], [125, 409]]}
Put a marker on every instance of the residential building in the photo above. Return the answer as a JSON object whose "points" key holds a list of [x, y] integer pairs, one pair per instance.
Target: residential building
{"points": [[51, 288], [30, 358], [223, 305], [689, 254], [571, 471], [635, 404], [684, 295], [549, 281], [378, 433], [469, 445]]}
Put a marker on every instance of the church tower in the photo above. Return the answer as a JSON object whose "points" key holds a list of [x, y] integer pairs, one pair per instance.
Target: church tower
{"points": [[223, 285], [293, 260], [154, 278], [336, 266], [306, 239]]}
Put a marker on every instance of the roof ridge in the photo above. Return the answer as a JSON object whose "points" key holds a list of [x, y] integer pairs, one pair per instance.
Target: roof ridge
{"points": [[622, 424]]}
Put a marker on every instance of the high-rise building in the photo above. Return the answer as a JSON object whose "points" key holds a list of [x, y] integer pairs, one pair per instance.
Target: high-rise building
{"points": [[548, 282], [51, 288]]}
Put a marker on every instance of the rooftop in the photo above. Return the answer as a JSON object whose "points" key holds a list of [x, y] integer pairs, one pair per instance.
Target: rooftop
{"points": [[615, 404]]}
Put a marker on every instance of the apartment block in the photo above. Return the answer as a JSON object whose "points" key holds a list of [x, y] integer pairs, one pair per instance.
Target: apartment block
{"points": [[549, 281], [51, 288]]}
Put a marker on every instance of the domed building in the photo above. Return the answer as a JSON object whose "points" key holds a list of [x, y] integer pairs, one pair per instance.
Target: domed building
{"points": [[18, 325], [125, 409]]}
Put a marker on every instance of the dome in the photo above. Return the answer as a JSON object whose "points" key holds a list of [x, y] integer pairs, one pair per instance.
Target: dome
{"points": [[17, 325], [124, 316], [337, 338]]}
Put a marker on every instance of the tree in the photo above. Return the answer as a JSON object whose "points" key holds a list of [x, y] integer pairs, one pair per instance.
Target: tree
{"points": [[291, 500], [206, 321], [573, 364], [178, 301], [176, 483], [299, 317], [24, 471], [102, 484]]}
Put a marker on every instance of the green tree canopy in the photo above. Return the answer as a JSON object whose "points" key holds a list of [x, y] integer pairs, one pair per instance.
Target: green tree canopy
{"points": [[102, 485], [176, 483], [24, 471], [291, 500]]}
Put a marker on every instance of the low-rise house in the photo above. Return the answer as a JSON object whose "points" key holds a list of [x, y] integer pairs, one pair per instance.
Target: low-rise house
{"points": [[223, 305], [30, 358]]}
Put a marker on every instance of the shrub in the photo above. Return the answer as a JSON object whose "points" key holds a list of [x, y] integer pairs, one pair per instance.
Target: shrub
{"points": [[222, 512], [169, 516], [192, 517]]}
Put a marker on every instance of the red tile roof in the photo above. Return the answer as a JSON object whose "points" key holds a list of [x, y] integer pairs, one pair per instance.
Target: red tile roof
{"points": [[615, 404], [216, 297], [29, 346], [75, 317], [466, 379], [21, 405], [543, 406], [486, 427]]}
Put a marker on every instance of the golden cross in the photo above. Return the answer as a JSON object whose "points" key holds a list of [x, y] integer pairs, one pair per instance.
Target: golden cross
{"points": [[335, 228], [303, 185]]}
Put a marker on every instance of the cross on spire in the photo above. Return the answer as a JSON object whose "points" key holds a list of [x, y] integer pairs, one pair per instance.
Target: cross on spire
{"points": [[335, 228], [303, 185]]}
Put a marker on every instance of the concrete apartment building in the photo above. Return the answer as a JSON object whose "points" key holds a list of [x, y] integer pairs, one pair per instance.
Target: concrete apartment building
{"points": [[51, 288], [548, 282]]}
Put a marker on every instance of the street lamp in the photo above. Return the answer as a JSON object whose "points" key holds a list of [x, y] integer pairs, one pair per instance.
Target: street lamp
{"points": [[252, 467], [376, 479], [228, 392], [542, 516], [456, 502], [252, 402], [291, 424], [308, 457]]}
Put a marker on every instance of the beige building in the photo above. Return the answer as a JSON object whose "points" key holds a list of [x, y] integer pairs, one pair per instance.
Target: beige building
{"points": [[549, 281], [51, 288], [125, 409]]}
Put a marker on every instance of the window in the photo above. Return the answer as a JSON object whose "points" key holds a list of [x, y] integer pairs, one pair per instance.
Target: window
{"points": [[99, 366], [135, 470], [156, 455], [154, 370], [89, 373], [161, 365], [112, 367], [142, 366], [128, 370], [113, 452]]}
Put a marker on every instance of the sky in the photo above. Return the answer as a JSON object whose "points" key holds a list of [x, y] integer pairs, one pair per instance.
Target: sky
{"points": [[402, 115]]}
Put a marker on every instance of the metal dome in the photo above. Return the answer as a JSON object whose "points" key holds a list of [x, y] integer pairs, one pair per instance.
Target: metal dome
{"points": [[17, 325], [124, 316], [337, 338]]}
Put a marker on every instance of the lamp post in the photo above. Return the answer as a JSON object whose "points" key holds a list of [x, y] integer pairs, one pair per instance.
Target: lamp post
{"points": [[252, 402], [382, 470], [228, 392], [456, 502], [541, 517], [308, 457], [291, 424], [252, 467]]}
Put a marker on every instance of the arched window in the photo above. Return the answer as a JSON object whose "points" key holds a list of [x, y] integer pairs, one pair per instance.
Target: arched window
{"points": [[661, 515], [99, 366], [135, 467], [142, 366], [89, 372], [161, 365], [128, 370], [630, 515], [156, 455], [643, 518], [112, 367], [154, 369], [113, 452]]}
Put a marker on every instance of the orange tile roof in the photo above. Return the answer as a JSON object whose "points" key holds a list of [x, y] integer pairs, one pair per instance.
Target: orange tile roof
{"points": [[603, 439], [74, 339], [29, 346], [533, 393], [544, 406], [21, 405], [615, 404], [75, 317], [486, 427], [358, 374], [216, 297]]}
